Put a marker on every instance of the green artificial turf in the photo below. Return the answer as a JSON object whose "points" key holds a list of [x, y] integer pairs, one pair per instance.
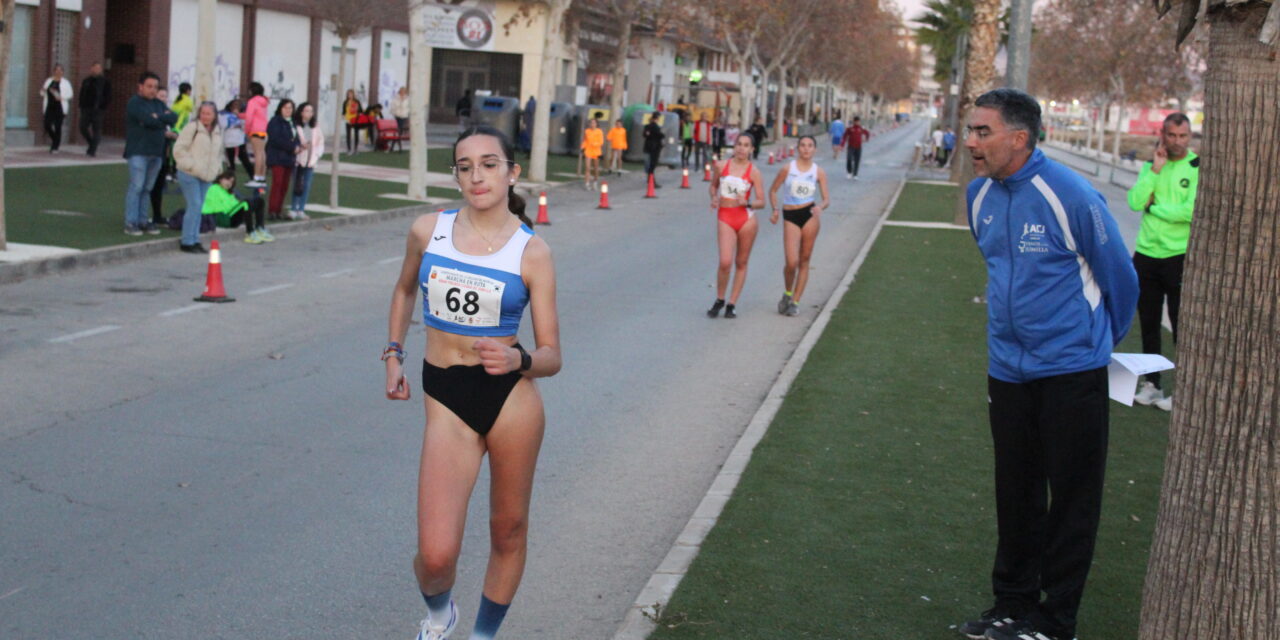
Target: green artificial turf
{"points": [[921, 202], [867, 511], [83, 207]]}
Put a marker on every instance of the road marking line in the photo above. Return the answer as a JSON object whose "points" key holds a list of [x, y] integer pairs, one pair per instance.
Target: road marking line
{"points": [[13, 592], [390, 260], [924, 225], [181, 310], [85, 334], [340, 272], [274, 287]]}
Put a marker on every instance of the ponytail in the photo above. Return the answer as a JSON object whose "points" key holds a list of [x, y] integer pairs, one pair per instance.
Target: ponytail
{"points": [[515, 204]]}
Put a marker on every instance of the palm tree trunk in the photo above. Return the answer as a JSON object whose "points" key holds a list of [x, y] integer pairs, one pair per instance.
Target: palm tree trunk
{"points": [[1214, 570], [979, 74]]}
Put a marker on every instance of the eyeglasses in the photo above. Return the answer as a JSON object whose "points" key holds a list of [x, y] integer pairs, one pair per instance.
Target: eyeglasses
{"points": [[486, 168]]}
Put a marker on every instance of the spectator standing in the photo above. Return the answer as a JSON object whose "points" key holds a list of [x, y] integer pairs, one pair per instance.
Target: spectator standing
{"points": [[854, 136], [1061, 291], [617, 146], [592, 149], [1165, 195], [183, 106], [837, 136], [146, 121], [701, 139], [353, 114], [197, 154], [937, 144], [686, 139], [399, 109], [57, 104], [95, 95], [233, 136], [948, 145], [255, 125], [462, 109], [653, 141], [731, 133], [717, 137], [758, 135], [166, 174], [310, 149], [282, 156], [526, 120]]}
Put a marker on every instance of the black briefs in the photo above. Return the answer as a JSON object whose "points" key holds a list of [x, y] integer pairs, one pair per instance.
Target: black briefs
{"points": [[798, 217], [473, 395]]}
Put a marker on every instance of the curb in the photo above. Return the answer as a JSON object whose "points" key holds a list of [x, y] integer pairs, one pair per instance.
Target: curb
{"points": [[638, 622]]}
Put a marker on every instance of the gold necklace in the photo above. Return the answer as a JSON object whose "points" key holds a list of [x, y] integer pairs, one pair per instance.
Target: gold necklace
{"points": [[473, 226]]}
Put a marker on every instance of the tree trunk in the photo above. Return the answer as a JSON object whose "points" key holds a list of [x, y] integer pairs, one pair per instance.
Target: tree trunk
{"points": [[419, 85], [6, 43], [1102, 132], [747, 90], [620, 70], [1214, 569], [780, 104], [339, 97], [1115, 141], [546, 89], [1088, 136], [979, 73]]}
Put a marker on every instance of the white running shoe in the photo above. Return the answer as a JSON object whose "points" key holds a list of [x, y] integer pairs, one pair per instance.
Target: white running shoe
{"points": [[1148, 394], [848, 176], [1165, 403], [433, 632]]}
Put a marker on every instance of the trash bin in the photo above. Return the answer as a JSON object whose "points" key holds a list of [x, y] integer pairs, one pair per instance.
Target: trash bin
{"points": [[500, 113], [670, 155], [581, 114], [639, 116], [561, 126]]}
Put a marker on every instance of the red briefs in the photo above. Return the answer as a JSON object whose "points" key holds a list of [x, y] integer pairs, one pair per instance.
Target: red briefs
{"points": [[735, 217]]}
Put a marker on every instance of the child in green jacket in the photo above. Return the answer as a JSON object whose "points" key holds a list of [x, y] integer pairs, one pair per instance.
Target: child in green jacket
{"points": [[229, 211]]}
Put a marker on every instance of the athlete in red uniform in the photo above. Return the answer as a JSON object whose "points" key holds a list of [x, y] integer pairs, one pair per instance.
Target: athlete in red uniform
{"points": [[731, 190]]}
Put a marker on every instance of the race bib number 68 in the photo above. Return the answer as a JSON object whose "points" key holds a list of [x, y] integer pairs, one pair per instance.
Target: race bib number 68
{"points": [[464, 298]]}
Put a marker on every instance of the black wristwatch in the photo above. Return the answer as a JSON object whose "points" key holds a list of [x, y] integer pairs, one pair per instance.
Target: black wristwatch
{"points": [[526, 360]]}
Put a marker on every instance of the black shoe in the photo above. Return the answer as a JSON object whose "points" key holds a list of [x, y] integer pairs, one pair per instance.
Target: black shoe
{"points": [[990, 619], [193, 248], [1024, 630], [714, 311], [729, 312]]}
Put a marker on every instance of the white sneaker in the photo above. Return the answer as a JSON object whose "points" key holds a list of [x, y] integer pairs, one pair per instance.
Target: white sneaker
{"points": [[1165, 403], [848, 176], [1148, 394], [434, 632]]}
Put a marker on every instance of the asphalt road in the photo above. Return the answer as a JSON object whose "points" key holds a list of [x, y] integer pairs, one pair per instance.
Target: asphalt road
{"points": [[174, 470]]}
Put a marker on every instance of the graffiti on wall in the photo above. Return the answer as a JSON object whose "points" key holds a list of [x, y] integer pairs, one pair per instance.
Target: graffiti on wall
{"points": [[226, 80]]}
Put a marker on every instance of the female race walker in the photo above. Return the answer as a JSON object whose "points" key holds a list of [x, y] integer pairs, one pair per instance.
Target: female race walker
{"points": [[478, 267], [800, 180], [731, 189]]}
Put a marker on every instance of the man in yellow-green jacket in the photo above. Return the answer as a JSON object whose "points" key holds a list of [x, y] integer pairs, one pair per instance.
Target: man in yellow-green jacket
{"points": [[1165, 194]]}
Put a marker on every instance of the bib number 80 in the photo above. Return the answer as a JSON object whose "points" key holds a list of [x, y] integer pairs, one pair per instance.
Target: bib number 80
{"points": [[469, 304]]}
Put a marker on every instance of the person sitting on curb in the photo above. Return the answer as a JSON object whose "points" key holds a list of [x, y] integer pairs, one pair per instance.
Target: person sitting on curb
{"points": [[229, 211]]}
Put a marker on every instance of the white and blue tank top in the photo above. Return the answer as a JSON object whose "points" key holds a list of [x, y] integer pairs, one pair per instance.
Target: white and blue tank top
{"points": [[472, 295], [801, 187]]}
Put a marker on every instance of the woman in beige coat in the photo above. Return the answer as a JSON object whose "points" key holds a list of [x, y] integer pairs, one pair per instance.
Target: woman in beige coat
{"points": [[197, 153]]}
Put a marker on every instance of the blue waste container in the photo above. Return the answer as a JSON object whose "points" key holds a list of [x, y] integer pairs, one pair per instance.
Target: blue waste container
{"points": [[500, 113]]}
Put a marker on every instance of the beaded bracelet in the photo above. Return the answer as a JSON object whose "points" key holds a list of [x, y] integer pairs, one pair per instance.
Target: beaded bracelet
{"points": [[393, 349]]}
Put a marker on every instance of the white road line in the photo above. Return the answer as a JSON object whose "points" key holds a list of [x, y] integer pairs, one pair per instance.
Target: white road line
{"points": [[334, 274], [13, 592], [274, 287], [924, 225], [181, 310], [390, 260], [85, 334]]}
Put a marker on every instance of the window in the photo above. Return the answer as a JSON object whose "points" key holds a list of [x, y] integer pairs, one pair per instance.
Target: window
{"points": [[16, 90]]}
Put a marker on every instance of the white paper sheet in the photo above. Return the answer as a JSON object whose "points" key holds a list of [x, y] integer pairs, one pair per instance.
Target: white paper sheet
{"points": [[1124, 370]]}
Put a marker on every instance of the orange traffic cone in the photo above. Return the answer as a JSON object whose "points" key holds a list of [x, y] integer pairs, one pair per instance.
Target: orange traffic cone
{"points": [[684, 179], [213, 291], [604, 196], [706, 172], [650, 193], [542, 210], [770, 157]]}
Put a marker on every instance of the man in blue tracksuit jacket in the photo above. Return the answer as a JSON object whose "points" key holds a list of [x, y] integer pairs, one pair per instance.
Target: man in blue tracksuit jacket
{"points": [[1061, 292]]}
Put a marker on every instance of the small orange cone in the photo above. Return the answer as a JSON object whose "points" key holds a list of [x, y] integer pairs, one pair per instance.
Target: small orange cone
{"points": [[684, 180], [650, 193], [213, 291], [770, 157], [604, 196], [542, 210], [706, 172]]}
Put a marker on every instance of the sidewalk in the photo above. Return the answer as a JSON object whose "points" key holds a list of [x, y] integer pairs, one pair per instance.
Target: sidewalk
{"points": [[867, 510]]}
